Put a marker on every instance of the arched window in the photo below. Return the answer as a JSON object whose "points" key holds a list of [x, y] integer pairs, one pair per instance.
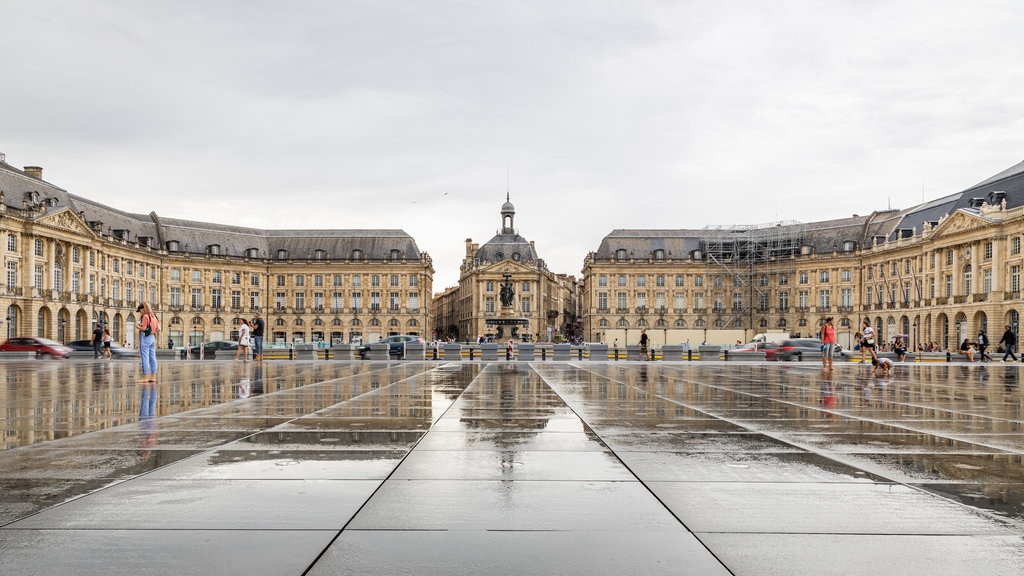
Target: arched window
{"points": [[680, 323], [602, 322], [374, 322], [623, 323]]}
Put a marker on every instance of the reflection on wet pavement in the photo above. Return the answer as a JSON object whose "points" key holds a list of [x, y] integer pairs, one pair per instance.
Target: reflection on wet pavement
{"points": [[469, 468]]}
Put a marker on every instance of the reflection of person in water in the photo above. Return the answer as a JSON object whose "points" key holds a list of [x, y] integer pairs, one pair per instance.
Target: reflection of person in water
{"points": [[147, 416], [257, 379], [242, 376], [828, 397]]}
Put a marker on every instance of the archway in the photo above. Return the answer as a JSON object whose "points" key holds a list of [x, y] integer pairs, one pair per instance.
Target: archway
{"points": [[13, 319]]}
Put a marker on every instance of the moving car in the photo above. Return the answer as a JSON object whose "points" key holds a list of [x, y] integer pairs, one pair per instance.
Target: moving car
{"points": [[116, 350], [770, 349], [224, 348], [793, 348], [396, 345], [43, 347]]}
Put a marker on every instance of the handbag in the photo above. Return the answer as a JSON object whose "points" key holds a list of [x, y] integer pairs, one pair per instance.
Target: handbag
{"points": [[243, 341]]}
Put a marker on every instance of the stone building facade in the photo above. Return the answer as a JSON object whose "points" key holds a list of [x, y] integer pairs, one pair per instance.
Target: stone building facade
{"points": [[70, 262], [937, 272], [544, 301]]}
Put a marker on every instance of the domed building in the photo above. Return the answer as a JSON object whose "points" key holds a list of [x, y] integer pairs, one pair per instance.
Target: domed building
{"points": [[505, 291]]}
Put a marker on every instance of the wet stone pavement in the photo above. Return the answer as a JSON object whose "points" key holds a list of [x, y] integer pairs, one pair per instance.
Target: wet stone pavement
{"points": [[510, 468]]}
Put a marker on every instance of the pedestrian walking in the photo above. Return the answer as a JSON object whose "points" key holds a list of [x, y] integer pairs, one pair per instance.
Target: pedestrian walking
{"points": [[1009, 342], [867, 342], [828, 344], [97, 340], [982, 344], [643, 345], [106, 344]]}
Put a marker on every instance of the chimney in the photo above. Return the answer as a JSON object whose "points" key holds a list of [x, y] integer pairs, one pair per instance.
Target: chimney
{"points": [[34, 172]]}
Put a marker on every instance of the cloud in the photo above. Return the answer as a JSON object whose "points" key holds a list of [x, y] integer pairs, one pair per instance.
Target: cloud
{"points": [[595, 116]]}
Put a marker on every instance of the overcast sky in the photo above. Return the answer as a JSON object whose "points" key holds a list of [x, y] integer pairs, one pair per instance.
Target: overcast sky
{"points": [[595, 115]]}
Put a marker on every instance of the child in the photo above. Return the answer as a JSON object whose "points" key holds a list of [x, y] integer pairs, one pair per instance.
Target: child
{"points": [[883, 364]]}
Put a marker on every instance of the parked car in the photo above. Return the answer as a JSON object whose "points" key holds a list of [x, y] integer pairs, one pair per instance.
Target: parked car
{"points": [[770, 349], [396, 345], [794, 347], [116, 350], [223, 348], [43, 347]]}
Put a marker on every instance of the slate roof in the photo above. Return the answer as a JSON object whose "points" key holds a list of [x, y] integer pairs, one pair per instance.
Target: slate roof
{"points": [[195, 237], [824, 236]]}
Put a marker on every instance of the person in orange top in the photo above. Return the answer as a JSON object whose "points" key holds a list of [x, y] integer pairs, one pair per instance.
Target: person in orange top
{"points": [[148, 327], [828, 341]]}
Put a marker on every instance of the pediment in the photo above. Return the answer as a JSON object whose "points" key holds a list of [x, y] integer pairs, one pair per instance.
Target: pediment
{"points": [[66, 220], [958, 222], [508, 266]]}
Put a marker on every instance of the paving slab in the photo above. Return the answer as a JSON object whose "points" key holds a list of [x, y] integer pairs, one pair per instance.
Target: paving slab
{"points": [[421, 467]]}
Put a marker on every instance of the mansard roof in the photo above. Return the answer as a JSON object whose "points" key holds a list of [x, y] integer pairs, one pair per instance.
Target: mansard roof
{"points": [[196, 237], [505, 247], [828, 235]]}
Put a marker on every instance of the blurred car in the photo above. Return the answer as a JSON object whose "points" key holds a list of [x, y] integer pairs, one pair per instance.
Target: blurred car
{"points": [[793, 348], [396, 345], [222, 347], [116, 350], [770, 349], [43, 347]]}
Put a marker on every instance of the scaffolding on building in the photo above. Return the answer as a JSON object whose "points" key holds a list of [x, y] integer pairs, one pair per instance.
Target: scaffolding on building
{"points": [[746, 254]]}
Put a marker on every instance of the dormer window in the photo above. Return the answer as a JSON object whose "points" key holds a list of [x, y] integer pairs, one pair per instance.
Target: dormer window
{"points": [[659, 254], [282, 254], [620, 254], [849, 246], [395, 254], [357, 254], [252, 252], [173, 246], [213, 249], [319, 254]]}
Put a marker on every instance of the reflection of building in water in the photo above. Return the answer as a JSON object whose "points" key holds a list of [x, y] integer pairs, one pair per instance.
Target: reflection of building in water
{"points": [[70, 398], [524, 401]]}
